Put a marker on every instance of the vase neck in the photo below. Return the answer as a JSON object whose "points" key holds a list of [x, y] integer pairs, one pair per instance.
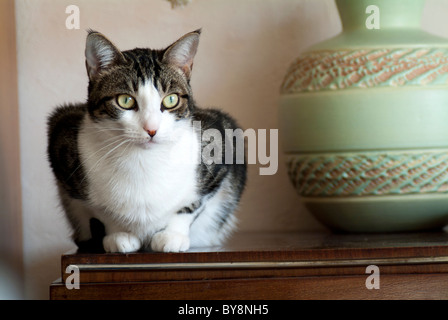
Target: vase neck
{"points": [[393, 14]]}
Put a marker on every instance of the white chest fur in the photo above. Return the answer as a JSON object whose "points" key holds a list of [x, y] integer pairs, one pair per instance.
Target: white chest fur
{"points": [[139, 185]]}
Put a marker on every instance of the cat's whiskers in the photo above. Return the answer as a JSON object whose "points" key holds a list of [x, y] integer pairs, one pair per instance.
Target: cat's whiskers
{"points": [[97, 151], [124, 151], [120, 142], [136, 136], [97, 131], [100, 128]]}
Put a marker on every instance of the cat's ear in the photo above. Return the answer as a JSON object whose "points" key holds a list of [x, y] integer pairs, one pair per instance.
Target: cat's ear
{"points": [[182, 52], [101, 54]]}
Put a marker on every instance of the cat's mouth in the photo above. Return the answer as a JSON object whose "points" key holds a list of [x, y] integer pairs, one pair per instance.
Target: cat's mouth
{"points": [[146, 143]]}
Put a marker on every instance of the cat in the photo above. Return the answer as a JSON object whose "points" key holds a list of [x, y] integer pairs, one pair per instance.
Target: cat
{"points": [[127, 163]]}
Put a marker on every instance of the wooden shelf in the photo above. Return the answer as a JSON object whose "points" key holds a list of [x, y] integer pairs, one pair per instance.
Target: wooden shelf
{"points": [[270, 266]]}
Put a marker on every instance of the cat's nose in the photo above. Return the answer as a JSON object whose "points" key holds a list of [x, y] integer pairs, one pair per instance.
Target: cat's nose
{"points": [[151, 133]]}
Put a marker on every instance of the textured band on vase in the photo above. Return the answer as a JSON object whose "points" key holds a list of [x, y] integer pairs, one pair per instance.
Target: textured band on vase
{"points": [[364, 68], [366, 174]]}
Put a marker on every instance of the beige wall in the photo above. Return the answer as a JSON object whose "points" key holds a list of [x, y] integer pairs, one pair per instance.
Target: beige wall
{"points": [[245, 49], [10, 191]]}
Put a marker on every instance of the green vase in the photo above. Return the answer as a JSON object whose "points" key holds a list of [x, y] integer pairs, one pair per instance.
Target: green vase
{"points": [[364, 121]]}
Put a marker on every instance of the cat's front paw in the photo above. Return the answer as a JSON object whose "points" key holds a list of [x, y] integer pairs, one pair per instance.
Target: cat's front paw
{"points": [[170, 241], [121, 242]]}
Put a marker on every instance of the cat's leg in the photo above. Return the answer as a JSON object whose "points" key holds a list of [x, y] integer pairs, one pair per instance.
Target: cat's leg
{"points": [[88, 232], [217, 220], [78, 216], [175, 237]]}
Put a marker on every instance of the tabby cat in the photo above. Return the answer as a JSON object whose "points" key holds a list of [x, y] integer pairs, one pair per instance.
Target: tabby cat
{"points": [[128, 163]]}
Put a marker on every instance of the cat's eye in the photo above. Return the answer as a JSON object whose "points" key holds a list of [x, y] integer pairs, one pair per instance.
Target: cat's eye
{"points": [[170, 101], [125, 101]]}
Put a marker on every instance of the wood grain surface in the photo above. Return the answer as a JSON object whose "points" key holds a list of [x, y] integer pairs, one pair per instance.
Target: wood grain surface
{"points": [[270, 266]]}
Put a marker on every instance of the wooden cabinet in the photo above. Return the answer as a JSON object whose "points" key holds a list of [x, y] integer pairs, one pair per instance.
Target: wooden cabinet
{"points": [[270, 266]]}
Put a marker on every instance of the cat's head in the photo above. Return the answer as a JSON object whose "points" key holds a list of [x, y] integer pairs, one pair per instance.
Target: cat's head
{"points": [[140, 94]]}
